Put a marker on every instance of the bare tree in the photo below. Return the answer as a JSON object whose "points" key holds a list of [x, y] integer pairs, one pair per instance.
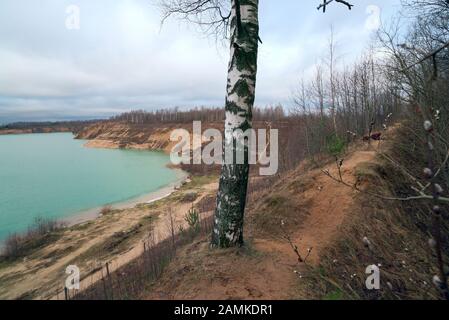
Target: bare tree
{"points": [[319, 90], [332, 85]]}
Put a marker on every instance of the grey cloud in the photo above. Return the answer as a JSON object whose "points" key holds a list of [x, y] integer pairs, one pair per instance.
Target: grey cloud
{"points": [[120, 59]]}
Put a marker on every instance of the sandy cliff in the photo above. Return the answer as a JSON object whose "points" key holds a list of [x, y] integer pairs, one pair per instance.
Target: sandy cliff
{"points": [[134, 136]]}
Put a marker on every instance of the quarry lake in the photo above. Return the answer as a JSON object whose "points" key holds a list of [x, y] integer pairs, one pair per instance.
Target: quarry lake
{"points": [[54, 176]]}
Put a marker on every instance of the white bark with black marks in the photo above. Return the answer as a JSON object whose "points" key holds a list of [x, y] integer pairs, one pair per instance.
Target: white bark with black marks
{"points": [[241, 84]]}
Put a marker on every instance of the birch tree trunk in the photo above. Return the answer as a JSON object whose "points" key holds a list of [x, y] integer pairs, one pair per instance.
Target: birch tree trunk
{"points": [[241, 83]]}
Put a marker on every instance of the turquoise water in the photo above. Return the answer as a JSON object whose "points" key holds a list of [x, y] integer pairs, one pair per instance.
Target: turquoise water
{"points": [[53, 175]]}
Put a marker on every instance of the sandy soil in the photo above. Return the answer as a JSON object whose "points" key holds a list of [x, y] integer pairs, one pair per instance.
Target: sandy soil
{"points": [[42, 274], [267, 268]]}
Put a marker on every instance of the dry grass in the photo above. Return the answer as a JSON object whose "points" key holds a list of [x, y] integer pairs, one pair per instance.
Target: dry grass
{"points": [[275, 208], [40, 233], [398, 233], [129, 281], [203, 273]]}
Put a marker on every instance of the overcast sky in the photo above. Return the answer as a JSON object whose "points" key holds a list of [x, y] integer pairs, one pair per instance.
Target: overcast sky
{"points": [[120, 58]]}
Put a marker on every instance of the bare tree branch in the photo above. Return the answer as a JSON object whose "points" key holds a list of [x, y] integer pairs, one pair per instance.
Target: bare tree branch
{"points": [[327, 2], [421, 195], [213, 16], [426, 57]]}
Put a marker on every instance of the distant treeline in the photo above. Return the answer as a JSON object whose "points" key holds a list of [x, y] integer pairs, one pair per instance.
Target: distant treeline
{"points": [[174, 115], [52, 126]]}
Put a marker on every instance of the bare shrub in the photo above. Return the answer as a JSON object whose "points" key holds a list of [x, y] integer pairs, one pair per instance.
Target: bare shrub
{"points": [[189, 196], [130, 280], [12, 246], [42, 231], [105, 210]]}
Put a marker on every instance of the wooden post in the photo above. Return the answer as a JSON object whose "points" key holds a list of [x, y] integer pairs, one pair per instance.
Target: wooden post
{"points": [[111, 283], [104, 289]]}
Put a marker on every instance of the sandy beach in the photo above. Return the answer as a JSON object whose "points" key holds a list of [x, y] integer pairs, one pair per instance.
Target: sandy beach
{"points": [[94, 213]]}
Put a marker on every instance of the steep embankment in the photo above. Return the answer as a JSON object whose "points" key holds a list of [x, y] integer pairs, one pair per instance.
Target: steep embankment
{"points": [[113, 134], [156, 136], [304, 207], [342, 232]]}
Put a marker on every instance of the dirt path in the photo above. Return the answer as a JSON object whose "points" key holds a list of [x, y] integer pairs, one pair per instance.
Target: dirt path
{"points": [[272, 271], [329, 203]]}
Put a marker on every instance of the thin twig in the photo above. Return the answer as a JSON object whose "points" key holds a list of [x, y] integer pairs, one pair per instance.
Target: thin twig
{"points": [[354, 187], [292, 245]]}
